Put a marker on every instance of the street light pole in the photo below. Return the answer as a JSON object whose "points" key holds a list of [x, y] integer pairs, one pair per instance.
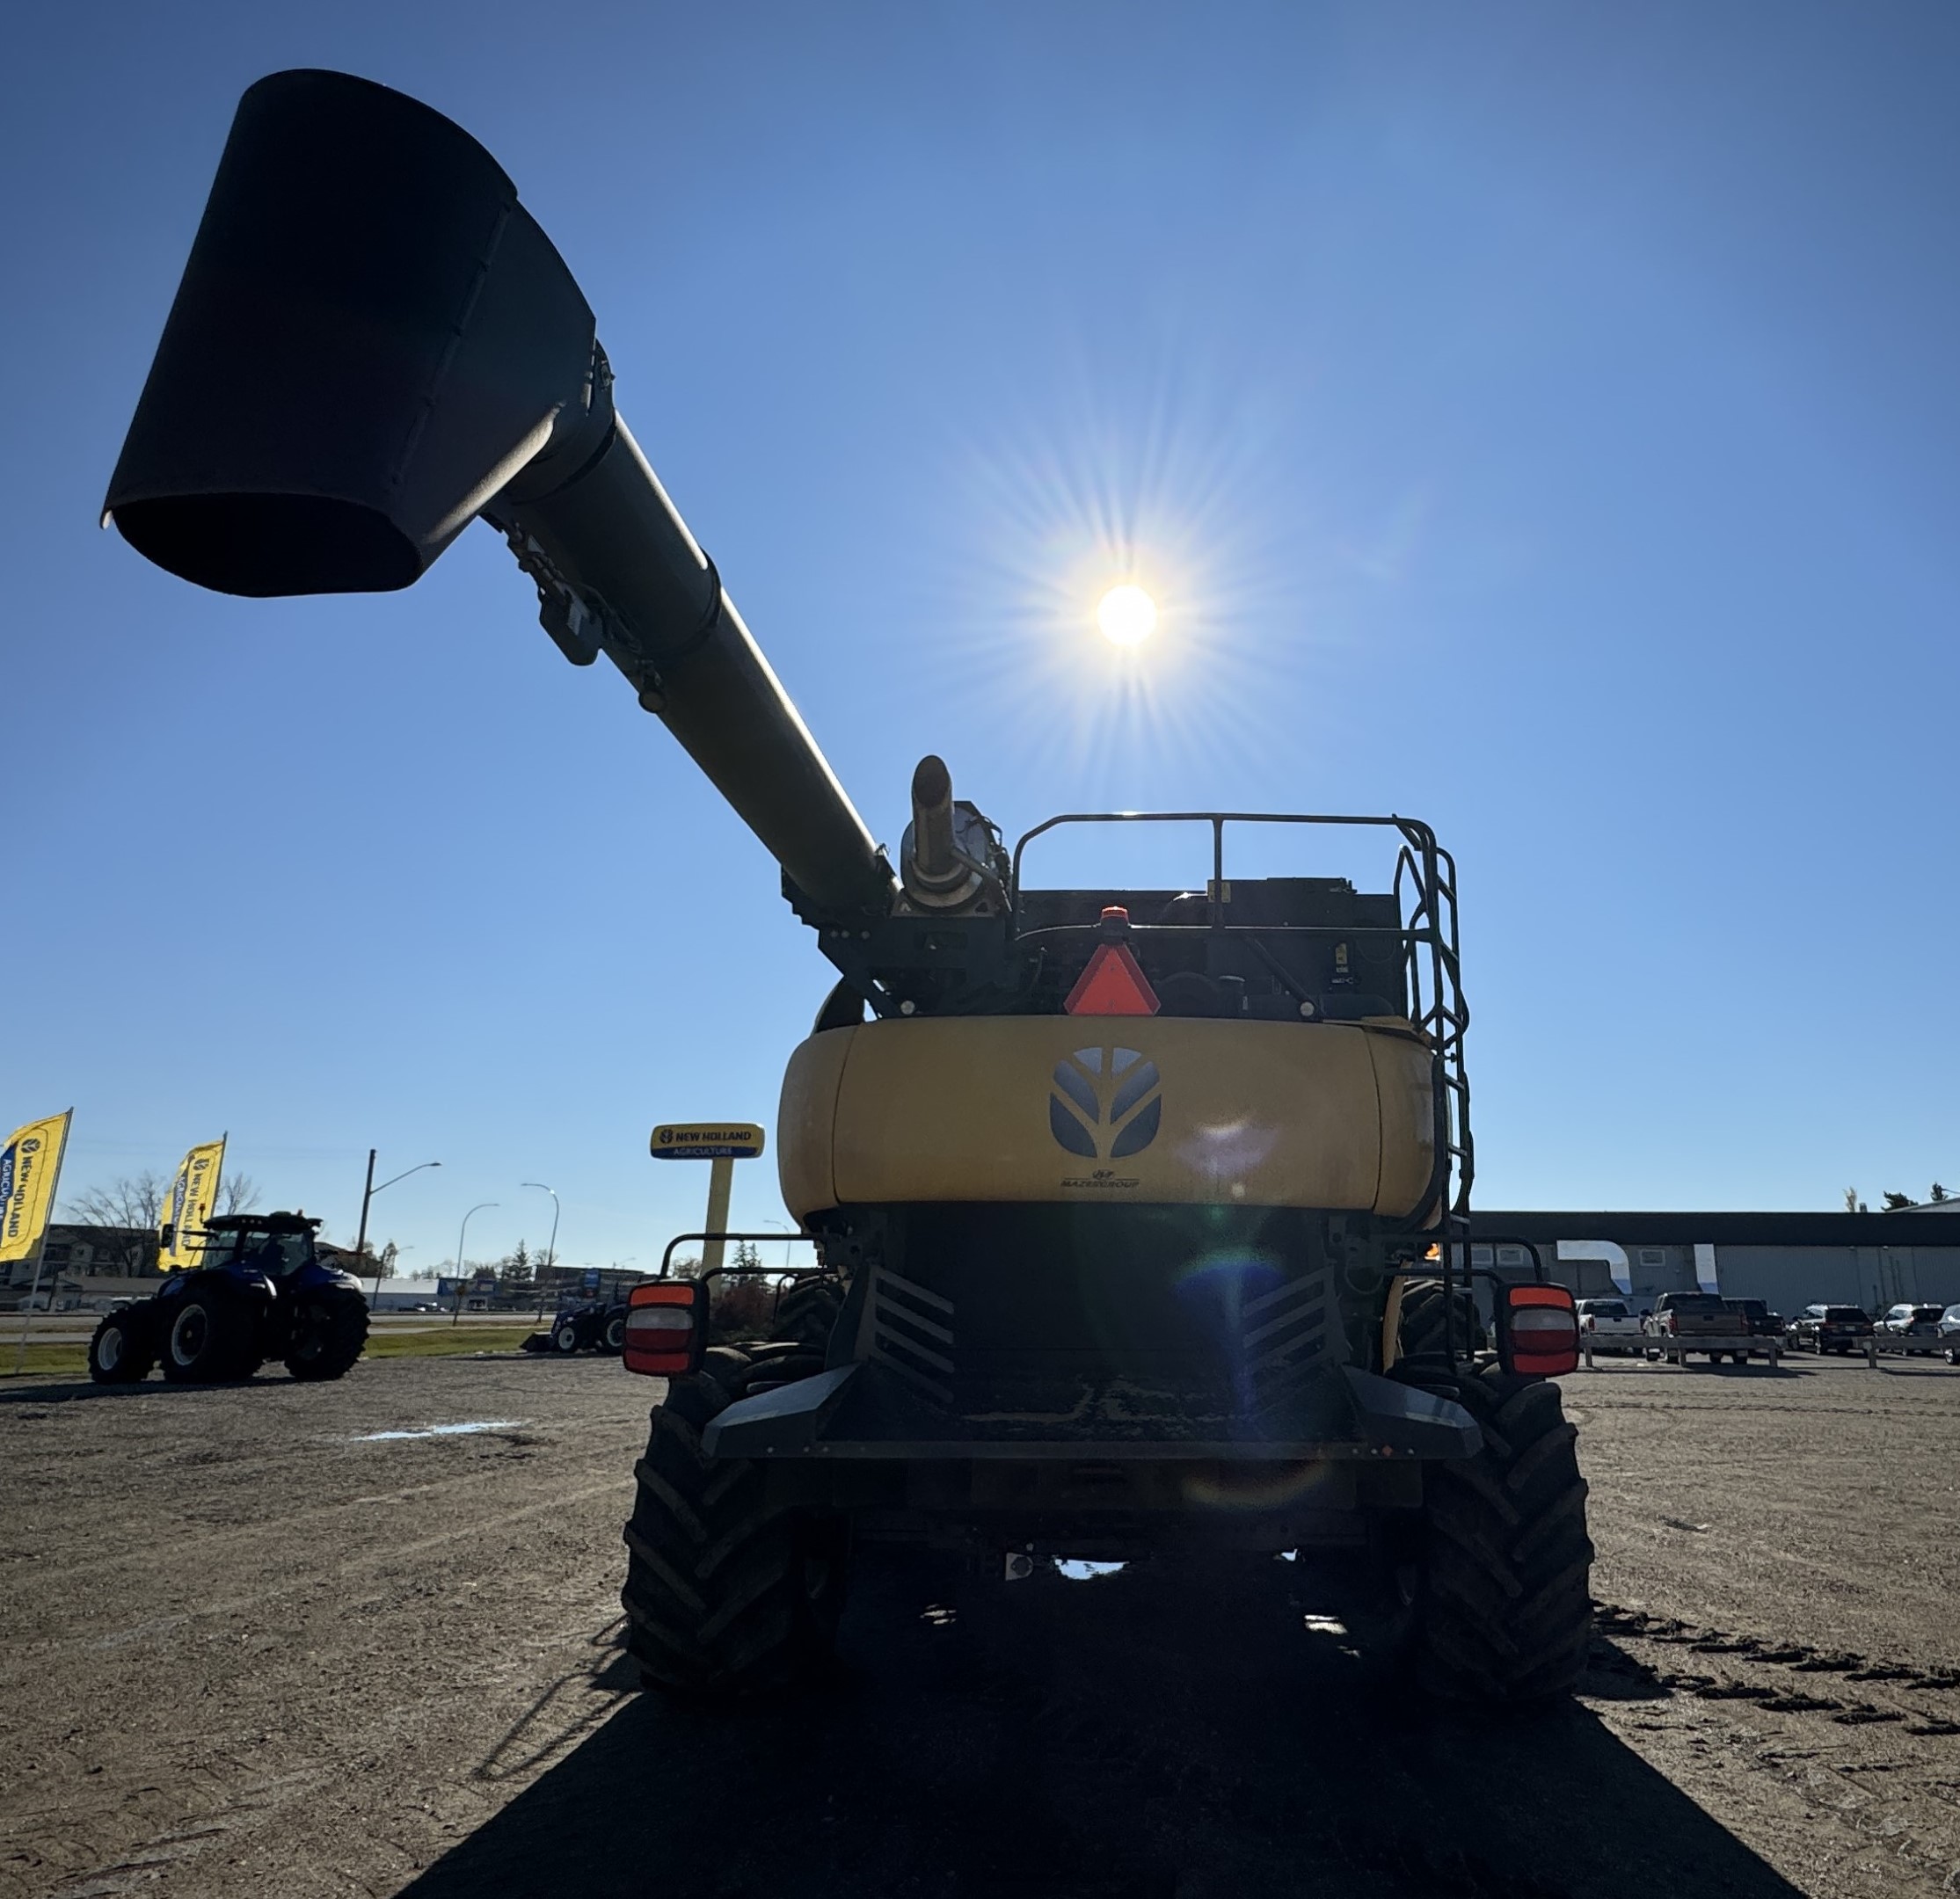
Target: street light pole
{"points": [[551, 1244], [367, 1194], [480, 1206]]}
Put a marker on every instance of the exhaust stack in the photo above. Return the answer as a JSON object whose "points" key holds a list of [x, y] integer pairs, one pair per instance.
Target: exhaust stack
{"points": [[951, 855]]}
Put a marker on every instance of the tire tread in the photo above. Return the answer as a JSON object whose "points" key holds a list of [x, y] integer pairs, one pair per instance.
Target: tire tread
{"points": [[716, 1594], [1503, 1612]]}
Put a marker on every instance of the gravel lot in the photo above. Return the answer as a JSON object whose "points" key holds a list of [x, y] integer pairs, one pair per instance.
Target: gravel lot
{"points": [[254, 1645]]}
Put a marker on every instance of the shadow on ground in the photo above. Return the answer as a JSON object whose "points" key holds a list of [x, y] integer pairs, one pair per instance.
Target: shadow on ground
{"points": [[1112, 1739], [67, 1391]]}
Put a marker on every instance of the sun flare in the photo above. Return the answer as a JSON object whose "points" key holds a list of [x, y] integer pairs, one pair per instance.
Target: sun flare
{"points": [[1126, 614]]}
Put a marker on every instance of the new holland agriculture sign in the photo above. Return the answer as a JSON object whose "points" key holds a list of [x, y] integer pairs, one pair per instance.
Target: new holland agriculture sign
{"points": [[706, 1140]]}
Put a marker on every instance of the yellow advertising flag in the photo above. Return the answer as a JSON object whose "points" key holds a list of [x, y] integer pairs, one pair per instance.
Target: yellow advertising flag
{"points": [[30, 1165], [191, 1198]]}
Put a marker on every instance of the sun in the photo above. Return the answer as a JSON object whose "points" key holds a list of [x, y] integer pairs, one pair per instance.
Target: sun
{"points": [[1126, 614]]}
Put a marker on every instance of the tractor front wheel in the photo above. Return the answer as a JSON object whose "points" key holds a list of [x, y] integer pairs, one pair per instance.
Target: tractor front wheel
{"points": [[1495, 1595], [727, 1595], [329, 1333], [124, 1348], [208, 1338]]}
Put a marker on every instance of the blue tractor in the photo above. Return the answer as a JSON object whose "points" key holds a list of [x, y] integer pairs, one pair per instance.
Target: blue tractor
{"points": [[583, 1325], [258, 1291]]}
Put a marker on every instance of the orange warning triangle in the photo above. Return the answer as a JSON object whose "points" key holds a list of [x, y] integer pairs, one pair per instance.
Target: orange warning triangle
{"points": [[1112, 985]]}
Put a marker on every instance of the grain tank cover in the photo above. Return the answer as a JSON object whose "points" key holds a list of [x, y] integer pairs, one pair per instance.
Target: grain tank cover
{"points": [[371, 337]]}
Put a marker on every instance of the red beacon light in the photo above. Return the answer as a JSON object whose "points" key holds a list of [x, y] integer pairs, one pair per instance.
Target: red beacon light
{"points": [[1113, 983]]}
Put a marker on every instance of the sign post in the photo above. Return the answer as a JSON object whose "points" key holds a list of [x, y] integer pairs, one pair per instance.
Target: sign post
{"points": [[722, 1143]]}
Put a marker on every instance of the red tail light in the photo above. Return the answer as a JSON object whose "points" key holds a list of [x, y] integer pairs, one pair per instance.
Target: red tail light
{"points": [[1540, 1331], [666, 1326]]}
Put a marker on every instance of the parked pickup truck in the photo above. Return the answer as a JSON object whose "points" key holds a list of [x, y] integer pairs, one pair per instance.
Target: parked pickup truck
{"points": [[1606, 1326], [1685, 1323], [1759, 1321]]}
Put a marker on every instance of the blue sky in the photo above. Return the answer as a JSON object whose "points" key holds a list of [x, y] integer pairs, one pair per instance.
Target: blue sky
{"points": [[1541, 418]]}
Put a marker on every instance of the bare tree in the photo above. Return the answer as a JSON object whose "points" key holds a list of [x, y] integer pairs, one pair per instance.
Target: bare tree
{"points": [[125, 1215], [237, 1193]]}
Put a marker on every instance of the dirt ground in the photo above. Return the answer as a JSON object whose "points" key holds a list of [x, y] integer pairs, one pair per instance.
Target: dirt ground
{"points": [[254, 1643]]}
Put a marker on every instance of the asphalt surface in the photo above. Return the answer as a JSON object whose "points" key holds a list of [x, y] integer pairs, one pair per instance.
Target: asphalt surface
{"points": [[259, 1641]]}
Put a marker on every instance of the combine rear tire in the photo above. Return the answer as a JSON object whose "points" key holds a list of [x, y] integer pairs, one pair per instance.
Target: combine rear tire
{"points": [[1500, 1600], [1423, 1332], [614, 1333], [329, 1332], [726, 1594], [124, 1348], [208, 1338], [1497, 1598]]}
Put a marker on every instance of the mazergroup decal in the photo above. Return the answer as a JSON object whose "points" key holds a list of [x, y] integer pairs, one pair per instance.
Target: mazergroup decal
{"points": [[1106, 1104], [1103, 1179]]}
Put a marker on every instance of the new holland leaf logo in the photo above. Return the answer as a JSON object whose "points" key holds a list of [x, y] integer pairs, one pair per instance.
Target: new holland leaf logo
{"points": [[1106, 1103]]}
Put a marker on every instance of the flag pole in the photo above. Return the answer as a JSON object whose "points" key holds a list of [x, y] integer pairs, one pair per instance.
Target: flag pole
{"points": [[217, 1179], [41, 1247]]}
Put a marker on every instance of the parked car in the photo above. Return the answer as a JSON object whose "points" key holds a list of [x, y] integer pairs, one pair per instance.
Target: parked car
{"points": [[1608, 1326], [1949, 1334], [1830, 1328], [1910, 1328]]}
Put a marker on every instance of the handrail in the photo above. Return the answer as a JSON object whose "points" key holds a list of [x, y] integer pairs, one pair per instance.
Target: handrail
{"points": [[758, 1239], [1424, 891]]}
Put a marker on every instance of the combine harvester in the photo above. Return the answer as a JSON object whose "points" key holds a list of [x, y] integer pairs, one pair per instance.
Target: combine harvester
{"points": [[1141, 1215]]}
